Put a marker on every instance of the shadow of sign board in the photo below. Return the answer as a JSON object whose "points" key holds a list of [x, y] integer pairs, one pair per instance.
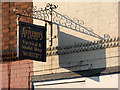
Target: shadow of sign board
{"points": [[31, 42]]}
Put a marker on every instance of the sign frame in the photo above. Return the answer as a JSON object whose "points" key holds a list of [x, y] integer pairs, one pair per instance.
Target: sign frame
{"points": [[42, 42]]}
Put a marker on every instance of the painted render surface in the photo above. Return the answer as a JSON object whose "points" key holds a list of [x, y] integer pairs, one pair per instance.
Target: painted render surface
{"points": [[100, 18]]}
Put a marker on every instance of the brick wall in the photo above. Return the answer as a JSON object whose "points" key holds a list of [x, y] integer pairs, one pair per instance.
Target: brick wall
{"points": [[14, 73]]}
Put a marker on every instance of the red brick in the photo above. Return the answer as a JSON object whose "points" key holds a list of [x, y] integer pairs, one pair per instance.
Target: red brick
{"points": [[5, 5], [24, 79], [5, 26], [24, 74], [5, 47], [11, 37], [5, 77], [4, 64], [24, 66], [13, 76], [15, 45], [13, 33], [12, 80], [23, 61], [4, 80], [21, 71], [18, 7], [18, 80], [19, 3], [4, 68], [13, 67], [13, 71], [24, 83], [4, 40], [28, 70], [30, 4], [5, 35], [4, 85], [13, 25], [13, 17], [5, 12], [12, 41], [12, 85], [12, 3], [16, 63], [5, 22], [4, 73], [14, 30], [17, 68], [25, 6], [17, 85], [30, 61], [5, 30], [13, 21], [5, 18], [12, 8]]}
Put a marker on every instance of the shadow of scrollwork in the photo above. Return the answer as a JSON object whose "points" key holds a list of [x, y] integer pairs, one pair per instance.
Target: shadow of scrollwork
{"points": [[74, 24]]}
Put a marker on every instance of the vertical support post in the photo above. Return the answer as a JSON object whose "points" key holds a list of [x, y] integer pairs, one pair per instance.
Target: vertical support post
{"points": [[51, 26], [45, 39], [18, 17]]}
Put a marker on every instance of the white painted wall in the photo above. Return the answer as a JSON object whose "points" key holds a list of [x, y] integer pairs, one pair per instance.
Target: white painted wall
{"points": [[105, 81], [101, 17]]}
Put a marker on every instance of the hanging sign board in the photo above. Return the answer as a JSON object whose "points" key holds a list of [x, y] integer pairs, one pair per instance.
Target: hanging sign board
{"points": [[31, 42]]}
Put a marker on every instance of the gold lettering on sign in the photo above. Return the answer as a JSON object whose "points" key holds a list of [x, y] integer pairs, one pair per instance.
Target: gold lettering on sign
{"points": [[39, 44], [31, 54], [27, 47], [41, 36], [24, 33], [25, 53], [31, 43], [28, 33], [37, 49]]}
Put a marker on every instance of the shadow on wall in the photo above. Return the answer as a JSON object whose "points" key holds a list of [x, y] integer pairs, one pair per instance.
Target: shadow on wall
{"points": [[85, 63]]}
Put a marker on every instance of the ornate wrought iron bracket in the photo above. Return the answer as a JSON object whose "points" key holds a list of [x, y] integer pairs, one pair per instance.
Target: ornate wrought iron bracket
{"points": [[49, 15], [44, 14]]}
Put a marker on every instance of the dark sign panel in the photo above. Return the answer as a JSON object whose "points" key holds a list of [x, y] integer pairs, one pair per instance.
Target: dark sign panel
{"points": [[32, 42]]}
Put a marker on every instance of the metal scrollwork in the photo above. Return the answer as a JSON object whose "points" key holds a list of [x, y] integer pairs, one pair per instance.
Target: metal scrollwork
{"points": [[49, 15], [50, 6], [74, 24], [39, 13]]}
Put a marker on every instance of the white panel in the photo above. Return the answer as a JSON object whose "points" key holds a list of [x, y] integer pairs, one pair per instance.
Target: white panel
{"points": [[105, 81]]}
